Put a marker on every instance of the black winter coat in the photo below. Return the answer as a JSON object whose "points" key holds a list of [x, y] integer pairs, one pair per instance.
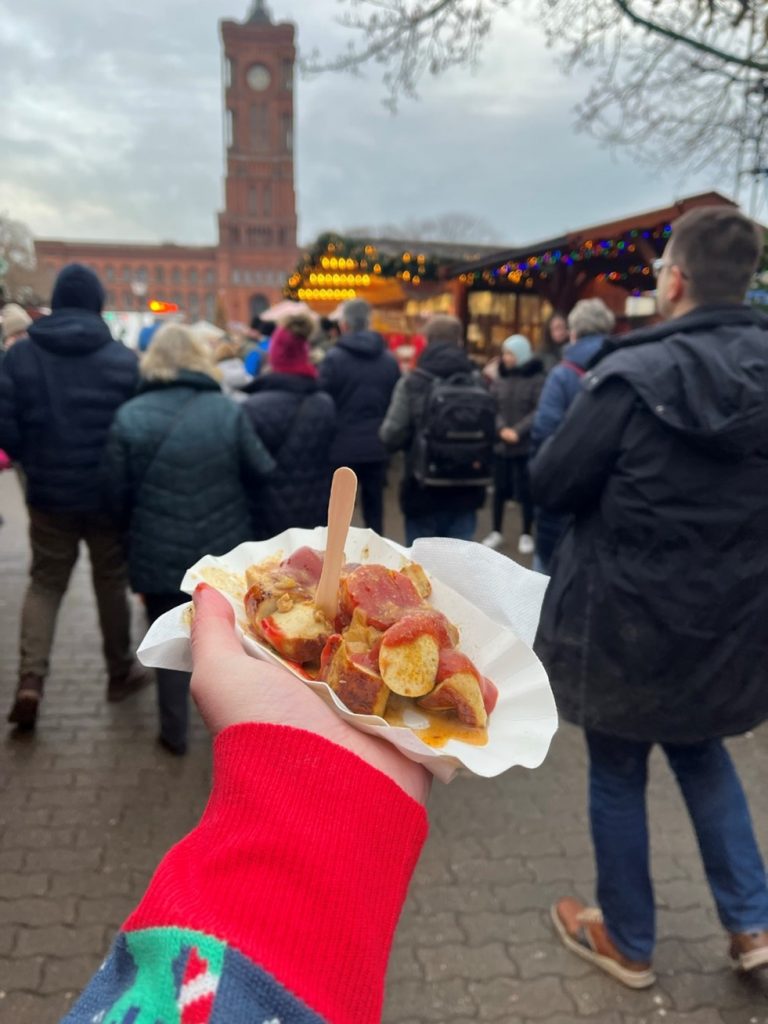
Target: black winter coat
{"points": [[398, 431], [182, 462], [296, 421], [59, 391], [654, 625], [517, 393], [359, 373]]}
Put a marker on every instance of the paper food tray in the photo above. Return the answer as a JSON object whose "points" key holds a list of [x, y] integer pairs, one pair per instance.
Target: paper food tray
{"points": [[496, 593]]}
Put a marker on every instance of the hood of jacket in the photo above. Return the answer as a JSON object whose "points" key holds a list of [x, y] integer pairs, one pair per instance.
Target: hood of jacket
{"points": [[294, 383], [366, 344], [184, 379], [71, 332], [704, 374], [443, 359], [529, 369]]}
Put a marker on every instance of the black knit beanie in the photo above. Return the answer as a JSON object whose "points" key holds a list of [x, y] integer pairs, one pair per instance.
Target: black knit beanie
{"points": [[78, 287]]}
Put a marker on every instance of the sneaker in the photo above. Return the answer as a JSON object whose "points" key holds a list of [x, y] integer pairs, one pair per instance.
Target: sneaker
{"points": [[135, 679], [494, 540], [749, 951], [26, 703], [582, 930], [525, 544]]}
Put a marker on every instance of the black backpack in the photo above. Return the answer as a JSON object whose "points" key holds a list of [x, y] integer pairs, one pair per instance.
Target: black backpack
{"points": [[456, 432]]}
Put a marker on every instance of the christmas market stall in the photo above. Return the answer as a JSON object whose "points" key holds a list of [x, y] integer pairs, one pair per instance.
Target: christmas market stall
{"points": [[405, 281], [517, 290]]}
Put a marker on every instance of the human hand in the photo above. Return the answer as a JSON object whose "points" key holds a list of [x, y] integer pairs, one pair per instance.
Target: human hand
{"points": [[230, 687], [509, 435]]}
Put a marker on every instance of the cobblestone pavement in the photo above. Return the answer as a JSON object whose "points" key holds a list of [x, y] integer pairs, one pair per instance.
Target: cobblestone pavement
{"points": [[89, 805]]}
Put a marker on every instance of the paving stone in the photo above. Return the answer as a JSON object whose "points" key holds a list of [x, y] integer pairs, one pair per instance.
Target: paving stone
{"points": [[68, 974], [723, 989], [21, 974], [442, 1001], [483, 962], [24, 1008], [404, 965], [22, 883], [36, 912], [536, 999], [503, 870], [596, 993], [63, 860], [435, 930], [521, 928], [55, 940], [91, 885]]}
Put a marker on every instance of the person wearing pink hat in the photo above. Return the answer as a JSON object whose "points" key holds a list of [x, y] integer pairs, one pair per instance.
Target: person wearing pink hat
{"points": [[297, 423]]}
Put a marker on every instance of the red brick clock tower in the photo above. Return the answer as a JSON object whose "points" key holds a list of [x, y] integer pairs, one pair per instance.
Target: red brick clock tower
{"points": [[257, 230]]}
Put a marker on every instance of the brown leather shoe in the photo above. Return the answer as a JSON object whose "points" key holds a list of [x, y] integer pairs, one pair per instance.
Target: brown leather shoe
{"points": [[749, 951], [120, 688], [583, 932], [29, 693]]}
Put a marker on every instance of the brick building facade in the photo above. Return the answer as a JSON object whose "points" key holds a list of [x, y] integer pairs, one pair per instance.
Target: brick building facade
{"points": [[257, 248]]}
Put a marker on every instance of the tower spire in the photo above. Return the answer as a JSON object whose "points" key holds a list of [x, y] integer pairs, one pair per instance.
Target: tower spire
{"points": [[259, 14]]}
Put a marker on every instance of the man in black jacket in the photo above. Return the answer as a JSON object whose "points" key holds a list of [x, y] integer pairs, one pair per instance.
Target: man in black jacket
{"points": [[653, 628], [59, 390], [360, 373], [431, 511]]}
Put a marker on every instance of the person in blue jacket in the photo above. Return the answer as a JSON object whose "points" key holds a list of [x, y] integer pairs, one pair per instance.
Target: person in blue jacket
{"points": [[589, 322]]}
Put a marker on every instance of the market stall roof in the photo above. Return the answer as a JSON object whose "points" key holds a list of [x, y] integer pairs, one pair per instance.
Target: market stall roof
{"points": [[576, 238]]}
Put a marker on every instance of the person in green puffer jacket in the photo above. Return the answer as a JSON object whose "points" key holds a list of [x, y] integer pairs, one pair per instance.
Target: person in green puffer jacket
{"points": [[182, 465]]}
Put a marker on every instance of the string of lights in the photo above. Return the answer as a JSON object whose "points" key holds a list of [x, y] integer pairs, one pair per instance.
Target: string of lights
{"points": [[337, 268], [523, 272]]}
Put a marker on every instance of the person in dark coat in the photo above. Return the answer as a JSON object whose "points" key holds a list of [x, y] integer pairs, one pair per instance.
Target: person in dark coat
{"points": [[555, 337], [589, 322], [516, 390], [360, 373], [430, 511], [653, 628], [182, 462], [297, 423], [59, 390]]}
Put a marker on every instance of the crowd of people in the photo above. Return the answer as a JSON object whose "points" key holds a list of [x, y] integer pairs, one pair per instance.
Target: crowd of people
{"points": [[640, 466]]}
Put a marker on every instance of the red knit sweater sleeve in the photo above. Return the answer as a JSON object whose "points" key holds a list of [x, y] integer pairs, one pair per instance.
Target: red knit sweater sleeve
{"points": [[301, 861]]}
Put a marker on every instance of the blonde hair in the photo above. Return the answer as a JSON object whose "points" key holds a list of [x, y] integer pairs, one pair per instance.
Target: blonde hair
{"points": [[174, 348]]}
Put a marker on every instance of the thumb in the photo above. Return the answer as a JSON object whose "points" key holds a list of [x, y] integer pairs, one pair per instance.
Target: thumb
{"points": [[213, 627]]}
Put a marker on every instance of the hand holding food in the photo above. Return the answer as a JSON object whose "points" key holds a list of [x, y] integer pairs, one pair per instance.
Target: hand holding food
{"points": [[386, 639], [230, 687]]}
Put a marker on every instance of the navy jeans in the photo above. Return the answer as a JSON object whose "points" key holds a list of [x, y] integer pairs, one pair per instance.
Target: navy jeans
{"points": [[712, 791], [440, 524]]}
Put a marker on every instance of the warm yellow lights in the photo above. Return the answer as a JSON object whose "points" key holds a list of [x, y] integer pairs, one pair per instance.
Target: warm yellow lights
{"points": [[326, 294]]}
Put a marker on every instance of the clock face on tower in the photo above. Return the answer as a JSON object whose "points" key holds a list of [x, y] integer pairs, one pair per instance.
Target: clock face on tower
{"points": [[258, 77]]}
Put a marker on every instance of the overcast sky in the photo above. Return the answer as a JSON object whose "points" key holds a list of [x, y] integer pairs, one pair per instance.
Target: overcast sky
{"points": [[111, 128]]}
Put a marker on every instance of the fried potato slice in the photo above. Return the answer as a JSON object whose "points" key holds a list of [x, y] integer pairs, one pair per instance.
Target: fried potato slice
{"points": [[409, 667], [353, 677], [460, 693], [418, 578], [297, 631]]}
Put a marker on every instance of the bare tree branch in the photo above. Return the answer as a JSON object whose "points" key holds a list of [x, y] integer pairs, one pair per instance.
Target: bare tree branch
{"points": [[743, 60]]}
